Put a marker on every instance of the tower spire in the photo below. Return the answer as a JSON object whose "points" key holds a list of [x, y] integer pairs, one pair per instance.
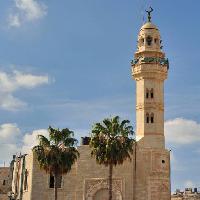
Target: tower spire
{"points": [[149, 13]]}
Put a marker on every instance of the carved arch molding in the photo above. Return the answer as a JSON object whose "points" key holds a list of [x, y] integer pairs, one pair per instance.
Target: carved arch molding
{"points": [[92, 186]]}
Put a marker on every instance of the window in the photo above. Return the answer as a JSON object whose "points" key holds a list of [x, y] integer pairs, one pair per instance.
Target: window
{"points": [[152, 118], [147, 118], [4, 182], [147, 93], [152, 93], [149, 40], [155, 40], [52, 181], [163, 161], [26, 180]]}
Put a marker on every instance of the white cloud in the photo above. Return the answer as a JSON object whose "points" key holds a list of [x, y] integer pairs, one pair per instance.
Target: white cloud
{"points": [[30, 140], [13, 142], [26, 11], [10, 135], [6, 153], [9, 102], [6, 82], [16, 80], [9, 132], [29, 80], [182, 131]]}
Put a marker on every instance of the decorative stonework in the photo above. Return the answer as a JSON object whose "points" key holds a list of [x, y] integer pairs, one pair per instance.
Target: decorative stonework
{"points": [[159, 189], [149, 105], [157, 60], [92, 186]]}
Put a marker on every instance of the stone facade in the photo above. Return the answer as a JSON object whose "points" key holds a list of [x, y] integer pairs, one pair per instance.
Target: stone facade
{"points": [[188, 194], [86, 181], [147, 176], [5, 182]]}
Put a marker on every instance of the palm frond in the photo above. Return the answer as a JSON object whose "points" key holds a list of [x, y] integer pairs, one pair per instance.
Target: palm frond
{"points": [[111, 141], [59, 153]]}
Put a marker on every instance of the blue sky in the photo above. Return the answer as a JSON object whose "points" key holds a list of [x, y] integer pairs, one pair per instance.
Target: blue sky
{"points": [[67, 64]]}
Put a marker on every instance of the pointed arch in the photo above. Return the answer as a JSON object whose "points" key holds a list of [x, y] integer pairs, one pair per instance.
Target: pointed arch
{"points": [[149, 40], [152, 93], [94, 188], [147, 118], [147, 93], [152, 118]]}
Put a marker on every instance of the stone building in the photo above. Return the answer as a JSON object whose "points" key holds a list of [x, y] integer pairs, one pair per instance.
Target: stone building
{"points": [[5, 182], [188, 194], [147, 176]]}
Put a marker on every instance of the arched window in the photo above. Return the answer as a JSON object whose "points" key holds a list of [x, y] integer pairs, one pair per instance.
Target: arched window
{"points": [[151, 93], [155, 40], [147, 118], [149, 40], [152, 118], [147, 93], [4, 182], [52, 181], [26, 180]]}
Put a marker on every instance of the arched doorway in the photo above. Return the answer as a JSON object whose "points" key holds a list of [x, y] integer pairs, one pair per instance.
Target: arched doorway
{"points": [[97, 189], [102, 194]]}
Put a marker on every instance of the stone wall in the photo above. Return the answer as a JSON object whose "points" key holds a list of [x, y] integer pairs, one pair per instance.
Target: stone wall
{"points": [[147, 179], [86, 181], [5, 184], [152, 174]]}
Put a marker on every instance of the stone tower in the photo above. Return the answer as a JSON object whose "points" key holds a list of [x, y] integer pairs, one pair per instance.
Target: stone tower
{"points": [[150, 69]]}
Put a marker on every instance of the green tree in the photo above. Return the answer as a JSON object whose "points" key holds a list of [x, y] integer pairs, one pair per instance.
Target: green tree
{"points": [[111, 144], [57, 154]]}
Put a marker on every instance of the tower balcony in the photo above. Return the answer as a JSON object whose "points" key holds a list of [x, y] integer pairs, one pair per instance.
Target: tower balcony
{"points": [[150, 67]]}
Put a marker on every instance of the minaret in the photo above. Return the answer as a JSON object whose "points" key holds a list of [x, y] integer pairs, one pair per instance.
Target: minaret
{"points": [[149, 69], [152, 160]]}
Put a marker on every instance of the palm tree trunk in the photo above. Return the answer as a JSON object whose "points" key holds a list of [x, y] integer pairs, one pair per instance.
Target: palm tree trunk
{"points": [[55, 186], [110, 181]]}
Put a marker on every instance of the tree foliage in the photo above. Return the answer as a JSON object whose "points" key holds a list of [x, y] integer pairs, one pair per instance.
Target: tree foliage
{"points": [[111, 144], [111, 141], [58, 153]]}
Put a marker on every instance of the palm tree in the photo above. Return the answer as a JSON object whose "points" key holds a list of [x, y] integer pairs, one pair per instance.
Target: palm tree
{"points": [[57, 154], [111, 144]]}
